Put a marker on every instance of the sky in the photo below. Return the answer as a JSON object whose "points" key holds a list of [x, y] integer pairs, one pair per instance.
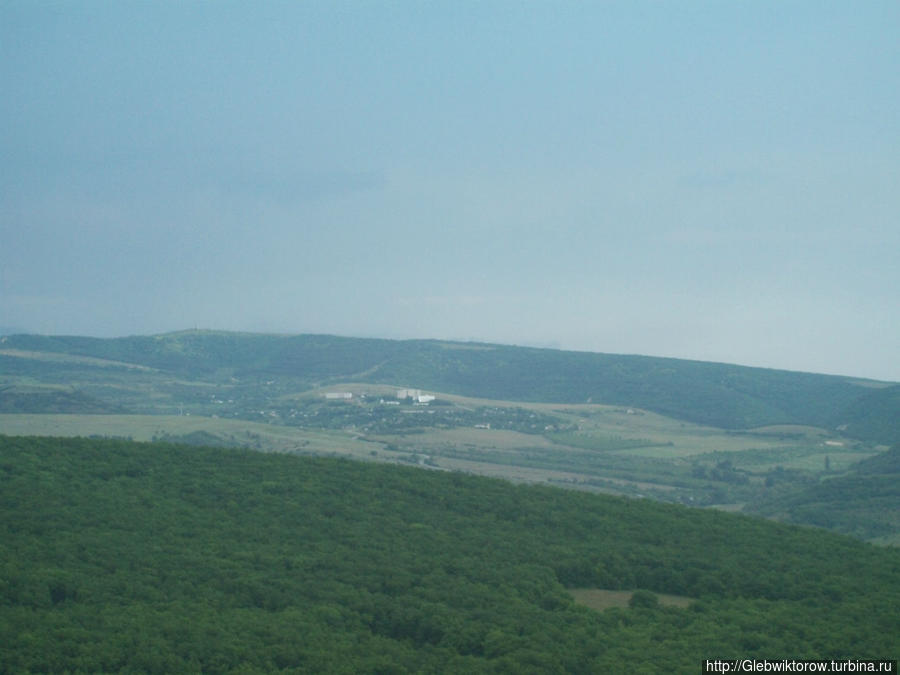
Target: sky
{"points": [[716, 181]]}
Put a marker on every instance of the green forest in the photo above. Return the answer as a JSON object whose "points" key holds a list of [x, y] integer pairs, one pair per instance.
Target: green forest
{"points": [[152, 557]]}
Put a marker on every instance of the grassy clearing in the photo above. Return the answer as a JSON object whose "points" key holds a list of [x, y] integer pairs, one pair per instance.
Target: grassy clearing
{"points": [[887, 540], [599, 599], [668, 438], [787, 430], [499, 439], [600, 443]]}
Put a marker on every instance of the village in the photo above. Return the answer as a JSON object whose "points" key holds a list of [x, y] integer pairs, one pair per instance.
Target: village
{"points": [[408, 410]]}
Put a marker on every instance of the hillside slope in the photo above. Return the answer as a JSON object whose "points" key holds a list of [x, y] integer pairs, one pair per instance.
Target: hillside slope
{"points": [[864, 502], [721, 395], [119, 556]]}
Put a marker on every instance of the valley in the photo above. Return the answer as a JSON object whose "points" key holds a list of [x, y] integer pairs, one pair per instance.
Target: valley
{"points": [[292, 395]]}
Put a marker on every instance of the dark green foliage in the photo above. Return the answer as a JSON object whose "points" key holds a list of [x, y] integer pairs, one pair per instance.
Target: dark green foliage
{"points": [[17, 400], [643, 599], [117, 556], [204, 352], [201, 438], [875, 416], [600, 443], [883, 463]]}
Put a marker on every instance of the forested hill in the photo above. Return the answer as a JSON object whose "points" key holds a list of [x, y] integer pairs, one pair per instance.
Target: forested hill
{"points": [[862, 502], [154, 558], [722, 395]]}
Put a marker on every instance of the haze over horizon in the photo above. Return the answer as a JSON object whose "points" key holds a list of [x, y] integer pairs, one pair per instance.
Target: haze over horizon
{"points": [[700, 180]]}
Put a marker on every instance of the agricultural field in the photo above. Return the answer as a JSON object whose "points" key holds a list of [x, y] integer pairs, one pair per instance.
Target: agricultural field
{"points": [[585, 446], [530, 416], [192, 430]]}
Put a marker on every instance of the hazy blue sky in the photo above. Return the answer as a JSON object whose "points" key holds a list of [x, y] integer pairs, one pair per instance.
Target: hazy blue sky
{"points": [[708, 180]]}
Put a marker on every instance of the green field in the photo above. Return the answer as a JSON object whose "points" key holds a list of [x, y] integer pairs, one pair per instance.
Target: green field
{"points": [[240, 433]]}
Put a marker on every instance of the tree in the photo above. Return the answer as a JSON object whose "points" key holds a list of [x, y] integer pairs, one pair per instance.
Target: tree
{"points": [[643, 599]]}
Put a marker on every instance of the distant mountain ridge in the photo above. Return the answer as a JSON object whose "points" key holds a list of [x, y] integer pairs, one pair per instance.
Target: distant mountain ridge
{"points": [[716, 394]]}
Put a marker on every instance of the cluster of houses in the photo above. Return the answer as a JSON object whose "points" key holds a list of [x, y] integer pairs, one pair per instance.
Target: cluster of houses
{"points": [[415, 395]]}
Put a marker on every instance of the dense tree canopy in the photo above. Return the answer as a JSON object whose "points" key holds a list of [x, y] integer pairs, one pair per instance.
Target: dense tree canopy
{"points": [[160, 558]]}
